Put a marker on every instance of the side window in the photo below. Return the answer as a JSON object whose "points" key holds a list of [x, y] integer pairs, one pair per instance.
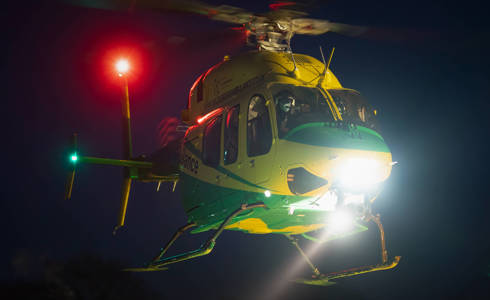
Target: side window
{"points": [[259, 133], [231, 136], [211, 142]]}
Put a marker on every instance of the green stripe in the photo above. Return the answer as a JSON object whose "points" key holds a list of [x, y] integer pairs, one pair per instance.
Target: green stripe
{"points": [[222, 170], [239, 179], [209, 204]]}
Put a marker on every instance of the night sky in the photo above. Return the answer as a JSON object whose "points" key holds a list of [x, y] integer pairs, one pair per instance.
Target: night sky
{"points": [[430, 84]]}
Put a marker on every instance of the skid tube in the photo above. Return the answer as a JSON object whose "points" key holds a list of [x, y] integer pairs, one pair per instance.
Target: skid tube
{"points": [[159, 263], [325, 279]]}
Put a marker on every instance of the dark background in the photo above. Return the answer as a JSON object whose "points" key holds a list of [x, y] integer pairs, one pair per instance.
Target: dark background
{"points": [[429, 82]]}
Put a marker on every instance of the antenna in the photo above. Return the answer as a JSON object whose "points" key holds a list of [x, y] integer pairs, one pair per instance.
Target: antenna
{"points": [[329, 60], [327, 65], [324, 63], [291, 51]]}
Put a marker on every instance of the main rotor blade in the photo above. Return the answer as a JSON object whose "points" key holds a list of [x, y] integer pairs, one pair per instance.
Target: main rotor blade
{"points": [[225, 13], [314, 27], [288, 19], [408, 35]]}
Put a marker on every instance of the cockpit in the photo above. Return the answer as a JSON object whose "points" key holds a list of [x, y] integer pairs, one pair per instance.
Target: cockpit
{"points": [[354, 109], [296, 105]]}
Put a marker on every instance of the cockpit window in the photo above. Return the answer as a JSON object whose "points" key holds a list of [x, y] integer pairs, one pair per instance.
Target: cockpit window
{"points": [[297, 105], [354, 109]]}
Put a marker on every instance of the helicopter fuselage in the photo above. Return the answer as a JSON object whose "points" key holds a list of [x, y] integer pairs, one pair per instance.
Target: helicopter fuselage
{"points": [[237, 151]]}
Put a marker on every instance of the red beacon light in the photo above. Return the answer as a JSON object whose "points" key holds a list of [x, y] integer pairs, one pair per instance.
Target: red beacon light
{"points": [[122, 67]]}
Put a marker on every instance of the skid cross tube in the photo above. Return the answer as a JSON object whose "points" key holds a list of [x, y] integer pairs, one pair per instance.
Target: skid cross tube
{"points": [[324, 279], [159, 263], [177, 234], [384, 252], [294, 241]]}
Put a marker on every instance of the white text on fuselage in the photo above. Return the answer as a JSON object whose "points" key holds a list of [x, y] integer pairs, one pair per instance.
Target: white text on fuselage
{"points": [[190, 163]]}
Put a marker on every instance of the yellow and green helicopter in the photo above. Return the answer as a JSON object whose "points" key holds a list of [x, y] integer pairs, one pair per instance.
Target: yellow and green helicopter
{"points": [[273, 144]]}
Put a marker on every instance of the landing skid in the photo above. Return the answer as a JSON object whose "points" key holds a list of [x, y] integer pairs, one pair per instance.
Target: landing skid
{"points": [[325, 279], [159, 263]]}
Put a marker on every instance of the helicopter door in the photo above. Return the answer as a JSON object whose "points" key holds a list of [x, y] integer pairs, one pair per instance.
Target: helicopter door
{"points": [[259, 140], [211, 145]]}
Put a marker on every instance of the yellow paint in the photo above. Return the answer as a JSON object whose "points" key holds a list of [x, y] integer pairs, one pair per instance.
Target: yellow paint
{"points": [[257, 226], [320, 161], [233, 82], [256, 68]]}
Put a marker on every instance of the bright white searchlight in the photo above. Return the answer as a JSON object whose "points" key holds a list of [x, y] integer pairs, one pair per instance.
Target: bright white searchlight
{"points": [[359, 172]]}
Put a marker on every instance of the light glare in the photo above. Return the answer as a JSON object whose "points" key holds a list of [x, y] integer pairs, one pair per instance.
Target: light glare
{"points": [[340, 222], [122, 66], [359, 172], [267, 194]]}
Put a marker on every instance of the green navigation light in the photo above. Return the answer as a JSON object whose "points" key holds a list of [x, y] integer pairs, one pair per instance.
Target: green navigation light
{"points": [[74, 158]]}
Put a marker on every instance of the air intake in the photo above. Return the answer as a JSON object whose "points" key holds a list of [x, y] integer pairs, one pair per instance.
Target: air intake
{"points": [[301, 181]]}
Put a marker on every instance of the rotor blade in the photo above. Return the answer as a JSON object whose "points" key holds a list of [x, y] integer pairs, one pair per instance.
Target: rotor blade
{"points": [[225, 13], [162, 5], [283, 14], [209, 43], [314, 27], [346, 29], [228, 39], [230, 14]]}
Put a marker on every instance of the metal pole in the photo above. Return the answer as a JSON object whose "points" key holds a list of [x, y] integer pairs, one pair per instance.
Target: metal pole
{"points": [[127, 153], [126, 119]]}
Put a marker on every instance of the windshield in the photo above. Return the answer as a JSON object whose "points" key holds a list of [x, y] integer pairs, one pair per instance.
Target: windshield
{"points": [[296, 105], [354, 109]]}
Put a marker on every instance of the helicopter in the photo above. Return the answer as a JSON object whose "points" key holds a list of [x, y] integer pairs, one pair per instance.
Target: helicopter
{"points": [[270, 143]]}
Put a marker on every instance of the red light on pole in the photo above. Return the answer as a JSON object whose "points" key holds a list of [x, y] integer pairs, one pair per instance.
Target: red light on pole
{"points": [[122, 67]]}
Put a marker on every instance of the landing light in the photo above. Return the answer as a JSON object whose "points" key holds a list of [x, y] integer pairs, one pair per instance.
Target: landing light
{"points": [[267, 194], [122, 66], [359, 172]]}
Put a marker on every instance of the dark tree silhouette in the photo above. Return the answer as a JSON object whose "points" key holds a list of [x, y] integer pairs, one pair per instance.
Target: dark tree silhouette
{"points": [[82, 278]]}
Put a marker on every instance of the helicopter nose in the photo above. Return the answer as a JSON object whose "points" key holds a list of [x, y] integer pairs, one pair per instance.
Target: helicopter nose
{"points": [[356, 159], [332, 136]]}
